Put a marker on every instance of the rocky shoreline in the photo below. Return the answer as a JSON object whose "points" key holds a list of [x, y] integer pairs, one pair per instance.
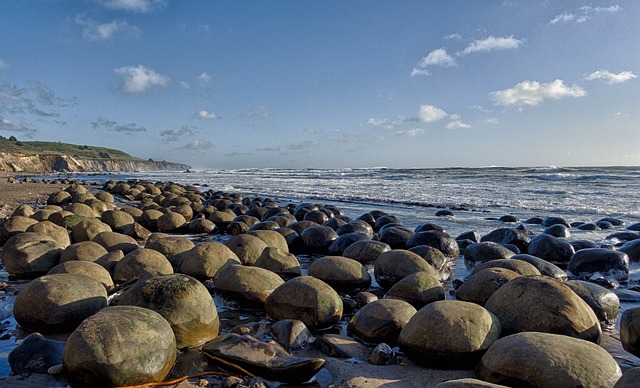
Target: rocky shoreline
{"points": [[123, 277]]}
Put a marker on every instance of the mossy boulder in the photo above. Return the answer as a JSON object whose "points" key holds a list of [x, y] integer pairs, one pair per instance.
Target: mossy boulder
{"points": [[28, 254], [381, 321], [392, 266], [205, 260], [341, 273], [251, 286]]}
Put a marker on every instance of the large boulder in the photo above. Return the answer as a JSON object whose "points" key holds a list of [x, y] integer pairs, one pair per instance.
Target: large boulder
{"points": [[205, 260], [307, 299], [56, 232], [343, 274], [392, 266], [58, 303], [381, 321], [248, 248], [88, 228], [632, 249], [418, 289], [544, 267], [479, 287], [113, 241], [83, 251], [35, 354], [449, 334], [602, 301], [272, 238], [86, 268], [183, 301], [366, 251], [318, 238], [171, 246], [513, 236], [119, 221], [630, 330], [552, 249], [141, 263], [437, 239], [518, 266], [534, 359], [170, 222], [586, 262], [281, 262], [543, 304], [249, 285], [29, 254], [120, 346]]}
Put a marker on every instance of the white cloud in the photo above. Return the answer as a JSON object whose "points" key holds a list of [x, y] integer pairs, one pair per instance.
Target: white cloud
{"points": [[3, 64], [176, 133], [137, 6], [140, 79], [430, 113], [492, 43], [198, 145], [377, 122], [457, 124], [492, 120], [12, 126], [92, 31], [534, 93], [417, 71], [204, 114], [105, 123], [438, 57], [611, 78], [185, 85], [204, 78], [454, 36], [585, 14], [564, 17], [409, 132]]}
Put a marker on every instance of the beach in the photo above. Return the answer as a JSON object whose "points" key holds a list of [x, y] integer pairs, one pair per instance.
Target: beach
{"points": [[337, 371]]}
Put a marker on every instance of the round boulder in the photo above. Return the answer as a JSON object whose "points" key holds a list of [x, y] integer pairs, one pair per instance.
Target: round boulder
{"points": [[450, 334], [366, 251], [392, 266], [83, 251], [602, 301], [283, 263], [551, 249], [170, 222], [120, 346], [437, 239], [205, 260], [479, 287], [87, 229], [249, 285], [318, 238], [485, 251], [307, 299], [418, 289], [534, 359], [183, 301], [518, 266], [58, 303], [543, 304], [585, 262], [141, 263], [630, 330], [113, 241], [29, 254], [56, 232], [248, 248], [343, 274], [272, 238], [381, 321], [86, 268]]}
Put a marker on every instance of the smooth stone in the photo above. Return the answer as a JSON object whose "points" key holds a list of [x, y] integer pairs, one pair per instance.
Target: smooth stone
{"points": [[558, 230], [356, 226], [291, 333], [318, 238], [248, 248], [632, 250], [363, 298], [35, 354], [468, 383], [557, 310], [392, 266], [201, 226], [205, 260], [56, 232], [418, 289], [112, 241], [518, 266], [479, 287], [119, 221], [183, 301], [272, 238], [27, 255], [380, 355], [171, 222], [629, 379], [472, 235], [433, 256], [485, 251], [437, 239], [551, 249], [172, 247], [344, 241], [83, 251], [519, 238], [603, 302], [534, 359], [86, 229], [449, 334], [544, 267], [630, 330], [380, 321], [141, 263], [366, 251], [548, 221], [251, 285], [396, 236], [281, 262], [341, 273], [120, 346], [308, 299], [340, 346], [85, 268], [586, 262], [109, 261], [262, 359], [58, 303]]}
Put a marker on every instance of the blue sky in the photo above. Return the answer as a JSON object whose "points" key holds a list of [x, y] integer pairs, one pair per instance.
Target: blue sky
{"points": [[327, 84]]}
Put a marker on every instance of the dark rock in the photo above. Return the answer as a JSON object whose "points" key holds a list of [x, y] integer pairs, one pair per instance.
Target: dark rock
{"points": [[548, 221], [545, 267], [630, 330], [291, 333], [485, 251], [479, 287], [603, 302], [585, 262], [380, 321], [35, 354], [366, 251], [380, 355], [519, 238], [439, 240], [558, 230], [419, 289], [343, 274], [392, 266], [551, 249]]}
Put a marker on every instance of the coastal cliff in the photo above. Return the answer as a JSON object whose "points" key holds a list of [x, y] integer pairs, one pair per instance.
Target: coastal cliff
{"points": [[47, 163]]}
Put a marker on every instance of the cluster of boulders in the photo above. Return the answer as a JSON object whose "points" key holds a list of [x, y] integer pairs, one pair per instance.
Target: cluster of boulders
{"points": [[129, 271]]}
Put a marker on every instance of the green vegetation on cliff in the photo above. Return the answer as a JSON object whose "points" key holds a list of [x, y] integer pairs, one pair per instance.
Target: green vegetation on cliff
{"points": [[12, 145]]}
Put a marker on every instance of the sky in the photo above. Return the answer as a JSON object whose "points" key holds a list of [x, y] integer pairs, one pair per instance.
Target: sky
{"points": [[327, 84]]}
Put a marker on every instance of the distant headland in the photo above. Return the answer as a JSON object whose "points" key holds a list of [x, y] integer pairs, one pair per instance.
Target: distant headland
{"points": [[47, 157]]}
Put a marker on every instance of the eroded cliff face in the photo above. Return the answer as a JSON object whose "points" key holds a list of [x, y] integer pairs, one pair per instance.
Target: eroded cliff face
{"points": [[45, 163]]}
